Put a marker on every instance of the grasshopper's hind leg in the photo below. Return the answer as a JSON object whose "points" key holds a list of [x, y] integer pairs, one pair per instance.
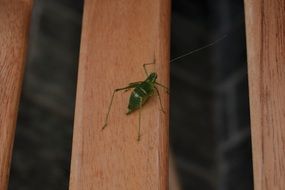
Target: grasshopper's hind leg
{"points": [[132, 85], [139, 129]]}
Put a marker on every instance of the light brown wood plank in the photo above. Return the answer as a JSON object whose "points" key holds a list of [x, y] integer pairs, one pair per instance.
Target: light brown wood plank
{"points": [[14, 24], [265, 27], [117, 38]]}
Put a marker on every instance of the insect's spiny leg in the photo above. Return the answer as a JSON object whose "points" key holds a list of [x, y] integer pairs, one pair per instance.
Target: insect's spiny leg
{"points": [[139, 130], [110, 105], [161, 107], [109, 108], [167, 90], [134, 84]]}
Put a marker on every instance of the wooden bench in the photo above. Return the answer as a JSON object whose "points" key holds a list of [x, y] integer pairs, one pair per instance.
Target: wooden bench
{"points": [[108, 159]]}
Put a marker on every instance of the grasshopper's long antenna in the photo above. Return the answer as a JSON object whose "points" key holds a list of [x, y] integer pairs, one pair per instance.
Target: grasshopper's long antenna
{"points": [[199, 49]]}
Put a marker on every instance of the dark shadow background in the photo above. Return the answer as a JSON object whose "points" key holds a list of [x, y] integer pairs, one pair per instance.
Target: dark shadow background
{"points": [[209, 130]]}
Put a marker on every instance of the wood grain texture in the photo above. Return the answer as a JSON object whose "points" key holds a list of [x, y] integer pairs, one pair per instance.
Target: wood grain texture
{"points": [[265, 27], [117, 38], [14, 24]]}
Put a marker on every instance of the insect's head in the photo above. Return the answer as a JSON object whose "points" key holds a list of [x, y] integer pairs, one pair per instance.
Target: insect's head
{"points": [[152, 77]]}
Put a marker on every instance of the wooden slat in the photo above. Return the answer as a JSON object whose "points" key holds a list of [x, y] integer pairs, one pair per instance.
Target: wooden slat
{"points": [[14, 23], [117, 38], [265, 27]]}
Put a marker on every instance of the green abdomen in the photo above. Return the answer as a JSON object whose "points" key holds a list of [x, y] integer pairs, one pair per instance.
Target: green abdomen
{"points": [[139, 96]]}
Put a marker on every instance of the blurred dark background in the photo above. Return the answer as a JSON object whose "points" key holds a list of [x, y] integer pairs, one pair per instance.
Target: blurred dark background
{"points": [[209, 123]]}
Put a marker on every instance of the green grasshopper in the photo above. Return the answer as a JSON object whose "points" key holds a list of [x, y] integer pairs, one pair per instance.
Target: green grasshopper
{"points": [[143, 90]]}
